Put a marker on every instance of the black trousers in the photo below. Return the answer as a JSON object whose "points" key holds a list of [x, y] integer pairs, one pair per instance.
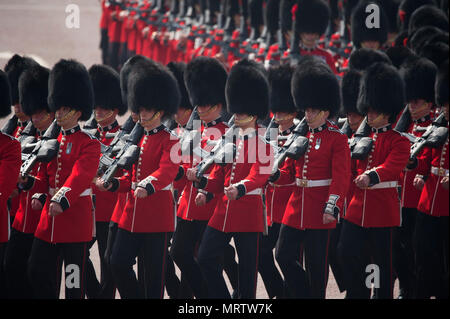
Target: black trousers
{"points": [[104, 45], [93, 286], [44, 268], [113, 54], [403, 253], [15, 265], [333, 258], [186, 240], [210, 257], [2, 273], [359, 270], [270, 275], [311, 281], [431, 256], [108, 287], [153, 247]]}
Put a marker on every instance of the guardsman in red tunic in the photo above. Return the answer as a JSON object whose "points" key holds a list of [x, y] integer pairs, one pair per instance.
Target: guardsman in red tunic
{"points": [[10, 161], [149, 216], [104, 21], [205, 81], [321, 177], [14, 68], [33, 91], [419, 77], [239, 185], [311, 21], [107, 105], [282, 105], [66, 224], [431, 232], [375, 207]]}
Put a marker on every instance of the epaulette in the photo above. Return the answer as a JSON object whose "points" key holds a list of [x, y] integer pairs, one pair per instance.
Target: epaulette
{"points": [[88, 133], [170, 132], [333, 129]]}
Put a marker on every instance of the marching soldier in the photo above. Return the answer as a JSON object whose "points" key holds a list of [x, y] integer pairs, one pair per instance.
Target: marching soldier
{"points": [[205, 79], [33, 91], [238, 184], [321, 178], [66, 224], [152, 93], [431, 232], [282, 106], [419, 77], [375, 208], [107, 105], [9, 172]]}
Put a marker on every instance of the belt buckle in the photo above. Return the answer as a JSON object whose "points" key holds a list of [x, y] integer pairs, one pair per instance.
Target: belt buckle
{"points": [[303, 183], [441, 172]]}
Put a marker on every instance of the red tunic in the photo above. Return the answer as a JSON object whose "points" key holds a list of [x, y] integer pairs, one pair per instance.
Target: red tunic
{"points": [[10, 161], [380, 207]]}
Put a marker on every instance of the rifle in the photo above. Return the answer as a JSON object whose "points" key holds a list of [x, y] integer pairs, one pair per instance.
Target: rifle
{"points": [[11, 125], [116, 145], [346, 129], [127, 156], [27, 138], [44, 151], [404, 121], [361, 143]]}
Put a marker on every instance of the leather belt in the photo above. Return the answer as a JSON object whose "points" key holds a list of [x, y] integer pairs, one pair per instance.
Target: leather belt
{"points": [[135, 184], [86, 192], [439, 171], [312, 183], [384, 185]]}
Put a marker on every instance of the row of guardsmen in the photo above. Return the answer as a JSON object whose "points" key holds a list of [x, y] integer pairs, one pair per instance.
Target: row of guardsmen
{"points": [[328, 207]]}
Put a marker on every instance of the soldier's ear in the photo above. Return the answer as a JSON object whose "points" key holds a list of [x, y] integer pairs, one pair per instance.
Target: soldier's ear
{"points": [[78, 115]]}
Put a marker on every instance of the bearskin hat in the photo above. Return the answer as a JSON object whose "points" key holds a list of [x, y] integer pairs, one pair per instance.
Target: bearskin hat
{"points": [[205, 80], [309, 82], [272, 13], [391, 9], [14, 68], [441, 87], [33, 90], [129, 65], [406, 9], [255, 13], [399, 55], [5, 95], [350, 90], [382, 90], [178, 69], [247, 90], [69, 85], [436, 52], [421, 36], [153, 87], [428, 16], [360, 31], [286, 15], [361, 59], [280, 89], [312, 16], [419, 77], [106, 84]]}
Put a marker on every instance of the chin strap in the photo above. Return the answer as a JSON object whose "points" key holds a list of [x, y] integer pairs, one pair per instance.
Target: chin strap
{"points": [[212, 108], [102, 119], [149, 121], [247, 120]]}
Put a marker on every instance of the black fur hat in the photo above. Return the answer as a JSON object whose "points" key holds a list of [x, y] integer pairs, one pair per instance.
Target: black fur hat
{"points": [[205, 80], [153, 87], [441, 87], [69, 85], [272, 13], [286, 15], [419, 77], [350, 90], [129, 65], [361, 59], [382, 89], [312, 16], [360, 31], [428, 15], [247, 90], [106, 84], [420, 37], [314, 85], [406, 9], [391, 9], [399, 55], [5, 95], [14, 68], [33, 90], [280, 89], [178, 69], [436, 52]]}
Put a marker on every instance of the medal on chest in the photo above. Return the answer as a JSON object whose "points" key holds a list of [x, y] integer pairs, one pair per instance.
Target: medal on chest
{"points": [[69, 148], [317, 146]]}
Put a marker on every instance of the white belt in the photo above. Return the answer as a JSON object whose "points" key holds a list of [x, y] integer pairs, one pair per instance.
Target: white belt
{"points": [[135, 184], [86, 192], [257, 191], [439, 171], [384, 185], [312, 183]]}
